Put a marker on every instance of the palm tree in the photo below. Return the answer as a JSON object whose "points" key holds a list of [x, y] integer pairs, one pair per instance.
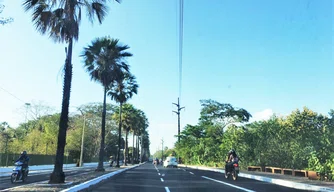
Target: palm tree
{"points": [[61, 20], [105, 61], [121, 91], [141, 130], [138, 129], [135, 132]]}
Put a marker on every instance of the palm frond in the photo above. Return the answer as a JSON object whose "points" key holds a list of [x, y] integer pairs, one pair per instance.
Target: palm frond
{"points": [[104, 57], [61, 18], [100, 11]]}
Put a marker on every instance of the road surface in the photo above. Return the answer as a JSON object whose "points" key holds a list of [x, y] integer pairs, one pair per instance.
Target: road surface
{"points": [[148, 178]]}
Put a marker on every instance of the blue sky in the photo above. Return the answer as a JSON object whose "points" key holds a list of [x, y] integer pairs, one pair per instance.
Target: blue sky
{"points": [[265, 56]]}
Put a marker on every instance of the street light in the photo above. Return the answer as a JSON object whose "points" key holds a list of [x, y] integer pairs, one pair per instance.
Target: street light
{"points": [[27, 106], [82, 137]]}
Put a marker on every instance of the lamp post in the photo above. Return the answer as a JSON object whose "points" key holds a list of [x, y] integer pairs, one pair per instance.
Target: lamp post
{"points": [[82, 137], [27, 106]]}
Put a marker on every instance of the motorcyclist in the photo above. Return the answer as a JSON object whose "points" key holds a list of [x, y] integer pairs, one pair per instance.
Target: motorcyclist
{"points": [[232, 158], [23, 159]]}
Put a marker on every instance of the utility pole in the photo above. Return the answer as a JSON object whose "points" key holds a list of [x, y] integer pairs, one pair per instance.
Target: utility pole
{"points": [[178, 120], [27, 106], [82, 141], [178, 117], [82, 138], [162, 151]]}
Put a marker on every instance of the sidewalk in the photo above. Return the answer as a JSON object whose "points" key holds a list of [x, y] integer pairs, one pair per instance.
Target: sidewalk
{"points": [[279, 179], [38, 169], [74, 182]]}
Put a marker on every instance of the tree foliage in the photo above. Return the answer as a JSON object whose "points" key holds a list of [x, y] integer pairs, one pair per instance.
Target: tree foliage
{"points": [[301, 140], [39, 136]]}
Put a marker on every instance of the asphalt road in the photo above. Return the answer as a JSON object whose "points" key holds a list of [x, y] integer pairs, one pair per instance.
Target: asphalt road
{"points": [[5, 182], [148, 178]]}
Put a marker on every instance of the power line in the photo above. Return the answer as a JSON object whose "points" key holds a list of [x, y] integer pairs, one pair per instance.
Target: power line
{"points": [[180, 46], [12, 95]]}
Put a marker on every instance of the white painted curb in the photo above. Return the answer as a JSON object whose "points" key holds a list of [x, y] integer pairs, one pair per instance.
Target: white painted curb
{"points": [[97, 180], [281, 182]]}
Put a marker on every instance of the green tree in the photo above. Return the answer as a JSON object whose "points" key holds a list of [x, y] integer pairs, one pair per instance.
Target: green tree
{"points": [[105, 61], [61, 20], [121, 90]]}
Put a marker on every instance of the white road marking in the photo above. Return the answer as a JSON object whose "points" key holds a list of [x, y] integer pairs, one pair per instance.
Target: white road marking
{"points": [[163, 174], [191, 173], [162, 180], [167, 190], [241, 188], [158, 173], [183, 169]]}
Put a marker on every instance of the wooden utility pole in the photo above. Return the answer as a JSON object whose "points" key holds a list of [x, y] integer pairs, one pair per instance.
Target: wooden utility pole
{"points": [[178, 117]]}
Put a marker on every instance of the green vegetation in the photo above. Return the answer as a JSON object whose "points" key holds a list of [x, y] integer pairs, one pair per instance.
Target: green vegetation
{"points": [[39, 136], [301, 140]]}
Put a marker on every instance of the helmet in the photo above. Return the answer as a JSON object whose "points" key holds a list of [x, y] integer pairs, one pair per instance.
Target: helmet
{"points": [[232, 151], [24, 153]]}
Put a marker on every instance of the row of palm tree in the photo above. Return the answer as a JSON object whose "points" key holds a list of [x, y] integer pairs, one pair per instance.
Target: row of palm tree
{"points": [[104, 60], [135, 122]]}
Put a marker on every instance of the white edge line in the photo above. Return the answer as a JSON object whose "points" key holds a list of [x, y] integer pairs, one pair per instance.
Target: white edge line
{"points": [[167, 189], [191, 173], [97, 180], [162, 180], [281, 182], [244, 189]]}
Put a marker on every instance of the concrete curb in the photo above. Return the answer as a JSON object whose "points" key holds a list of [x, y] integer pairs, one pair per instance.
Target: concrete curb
{"points": [[97, 180], [281, 182]]}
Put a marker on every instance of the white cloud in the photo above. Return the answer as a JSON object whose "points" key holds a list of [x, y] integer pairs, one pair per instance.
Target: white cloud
{"points": [[262, 115]]}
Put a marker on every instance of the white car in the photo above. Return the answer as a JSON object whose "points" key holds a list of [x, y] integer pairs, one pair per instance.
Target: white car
{"points": [[170, 162]]}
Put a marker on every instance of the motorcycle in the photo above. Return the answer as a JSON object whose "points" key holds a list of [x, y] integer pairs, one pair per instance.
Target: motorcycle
{"points": [[19, 173], [234, 172]]}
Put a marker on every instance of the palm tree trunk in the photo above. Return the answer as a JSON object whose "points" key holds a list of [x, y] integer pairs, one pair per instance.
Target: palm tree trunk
{"points": [[126, 148], [141, 149], [119, 134], [133, 148], [103, 133], [58, 176]]}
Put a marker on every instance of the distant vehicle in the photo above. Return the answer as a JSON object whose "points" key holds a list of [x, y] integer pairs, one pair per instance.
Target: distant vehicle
{"points": [[170, 162], [156, 161], [150, 159]]}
